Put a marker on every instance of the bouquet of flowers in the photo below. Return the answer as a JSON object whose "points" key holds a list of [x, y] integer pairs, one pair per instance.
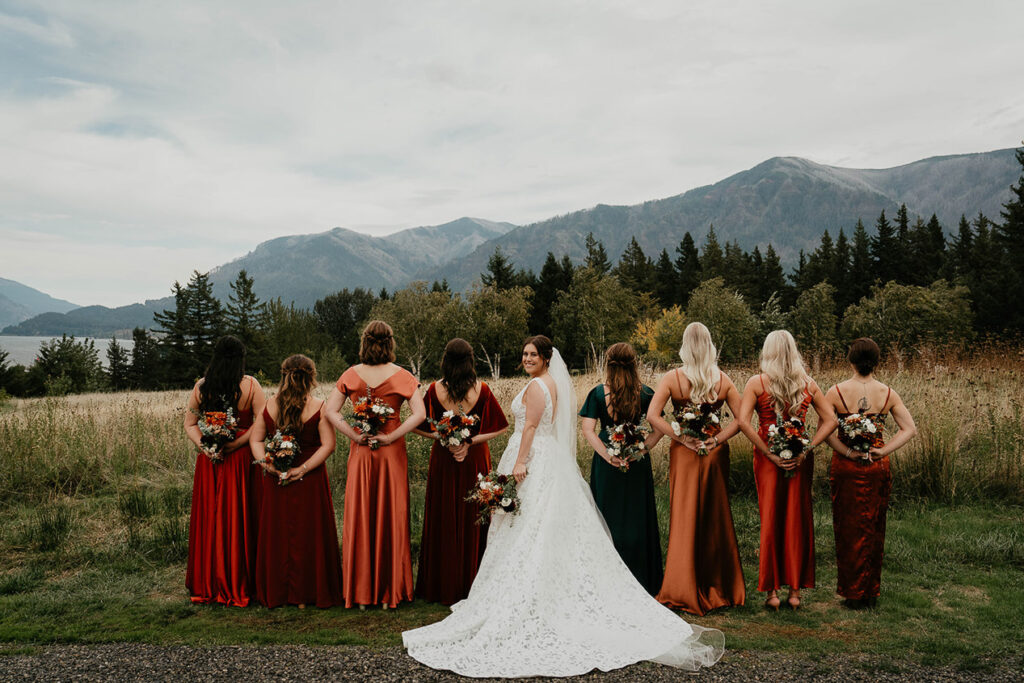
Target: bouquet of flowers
{"points": [[370, 415], [787, 439], [281, 452], [626, 442], [700, 420], [217, 428], [494, 493], [453, 428], [861, 433]]}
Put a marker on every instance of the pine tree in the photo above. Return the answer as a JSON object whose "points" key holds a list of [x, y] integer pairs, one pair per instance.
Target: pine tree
{"points": [[118, 366], [597, 257], [861, 267], [958, 264], [1009, 236], [773, 278], [246, 317], [634, 270], [176, 366], [839, 272], [687, 268], [712, 261], [902, 257], [554, 279], [666, 283], [987, 279], [500, 272], [885, 251], [145, 371], [204, 320]]}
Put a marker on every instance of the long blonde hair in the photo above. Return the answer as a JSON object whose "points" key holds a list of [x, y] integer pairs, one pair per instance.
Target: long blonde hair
{"points": [[700, 362], [781, 361]]}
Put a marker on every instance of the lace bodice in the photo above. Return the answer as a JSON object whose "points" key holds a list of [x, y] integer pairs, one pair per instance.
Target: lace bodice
{"points": [[547, 424]]}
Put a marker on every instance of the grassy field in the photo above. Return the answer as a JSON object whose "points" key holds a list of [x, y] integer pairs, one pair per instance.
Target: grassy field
{"points": [[95, 489]]}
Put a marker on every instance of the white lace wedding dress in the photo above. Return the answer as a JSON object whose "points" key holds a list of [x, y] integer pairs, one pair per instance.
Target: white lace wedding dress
{"points": [[552, 597]]}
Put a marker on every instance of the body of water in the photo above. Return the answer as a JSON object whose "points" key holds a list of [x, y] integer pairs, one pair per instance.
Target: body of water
{"points": [[23, 350]]}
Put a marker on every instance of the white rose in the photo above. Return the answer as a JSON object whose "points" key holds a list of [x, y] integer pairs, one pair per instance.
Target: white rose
{"points": [[505, 502], [689, 416], [714, 418], [479, 476], [871, 428], [464, 432], [786, 454], [448, 413], [676, 429]]}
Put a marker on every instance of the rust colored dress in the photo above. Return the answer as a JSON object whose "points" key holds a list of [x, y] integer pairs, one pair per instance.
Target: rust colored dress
{"points": [[860, 501], [453, 542], [297, 560], [222, 524], [702, 564], [786, 557], [376, 556]]}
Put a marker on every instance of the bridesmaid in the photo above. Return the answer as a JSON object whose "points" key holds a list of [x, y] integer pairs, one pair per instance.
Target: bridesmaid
{"points": [[861, 482], [625, 499], [222, 524], [297, 560], [453, 542], [702, 570], [376, 554], [786, 556]]}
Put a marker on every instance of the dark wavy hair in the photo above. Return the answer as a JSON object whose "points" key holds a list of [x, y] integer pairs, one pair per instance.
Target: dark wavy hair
{"points": [[221, 386], [863, 355], [543, 345], [458, 369], [377, 345], [623, 381], [298, 377]]}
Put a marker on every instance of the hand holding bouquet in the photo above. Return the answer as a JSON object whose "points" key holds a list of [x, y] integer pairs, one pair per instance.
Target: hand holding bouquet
{"points": [[282, 450], [700, 421], [861, 433], [369, 417], [626, 441], [494, 493], [218, 428], [453, 429], [787, 439]]}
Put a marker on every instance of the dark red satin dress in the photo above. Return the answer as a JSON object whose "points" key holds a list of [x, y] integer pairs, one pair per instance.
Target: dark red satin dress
{"points": [[786, 557], [453, 543], [860, 501], [222, 525], [297, 558], [376, 552]]}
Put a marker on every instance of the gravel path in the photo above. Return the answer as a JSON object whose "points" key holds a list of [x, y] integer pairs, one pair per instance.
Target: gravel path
{"points": [[131, 661]]}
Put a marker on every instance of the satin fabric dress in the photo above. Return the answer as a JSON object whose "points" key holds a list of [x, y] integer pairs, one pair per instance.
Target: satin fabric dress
{"points": [[626, 499], [786, 557], [297, 559], [860, 501], [222, 523], [702, 564], [453, 543], [376, 554]]}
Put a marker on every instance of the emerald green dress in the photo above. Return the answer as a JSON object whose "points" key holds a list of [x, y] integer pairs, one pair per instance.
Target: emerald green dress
{"points": [[626, 499]]}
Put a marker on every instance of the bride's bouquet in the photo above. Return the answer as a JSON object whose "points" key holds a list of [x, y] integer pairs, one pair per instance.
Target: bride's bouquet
{"points": [[282, 450], [861, 433], [494, 493], [787, 439], [626, 441], [699, 420], [217, 428], [370, 415], [453, 428]]}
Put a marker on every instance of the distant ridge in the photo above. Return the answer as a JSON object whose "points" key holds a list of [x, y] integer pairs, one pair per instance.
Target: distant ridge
{"points": [[20, 302]]}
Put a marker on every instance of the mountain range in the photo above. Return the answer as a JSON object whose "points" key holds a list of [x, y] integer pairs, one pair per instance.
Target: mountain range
{"points": [[785, 201], [20, 302]]}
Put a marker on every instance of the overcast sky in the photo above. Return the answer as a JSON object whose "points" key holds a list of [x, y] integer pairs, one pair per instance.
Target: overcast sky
{"points": [[141, 140]]}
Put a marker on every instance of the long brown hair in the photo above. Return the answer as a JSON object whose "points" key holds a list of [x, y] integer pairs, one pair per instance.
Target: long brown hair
{"points": [[298, 377], [623, 382], [458, 371], [378, 344]]}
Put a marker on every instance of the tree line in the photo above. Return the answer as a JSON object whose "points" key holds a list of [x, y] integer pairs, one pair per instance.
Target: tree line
{"points": [[905, 284]]}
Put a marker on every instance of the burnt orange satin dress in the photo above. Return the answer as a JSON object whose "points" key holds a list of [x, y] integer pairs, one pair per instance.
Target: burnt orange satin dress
{"points": [[376, 557], [786, 557], [702, 564], [860, 501]]}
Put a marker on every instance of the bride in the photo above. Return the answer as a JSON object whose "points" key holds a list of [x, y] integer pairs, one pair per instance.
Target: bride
{"points": [[552, 597]]}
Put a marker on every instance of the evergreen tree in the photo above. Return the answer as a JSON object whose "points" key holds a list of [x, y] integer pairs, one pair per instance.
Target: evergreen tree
{"points": [[176, 364], [440, 286], [246, 318], [961, 248], [839, 272], [118, 366], [635, 270], [191, 329], [145, 371], [861, 267], [712, 261], [902, 256], [739, 270], [555, 277], [885, 251], [927, 252], [666, 282], [986, 279], [383, 294], [342, 316], [597, 257], [687, 268], [1009, 236], [773, 278], [500, 272]]}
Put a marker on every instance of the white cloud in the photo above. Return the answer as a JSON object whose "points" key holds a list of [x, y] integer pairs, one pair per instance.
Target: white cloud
{"points": [[192, 131]]}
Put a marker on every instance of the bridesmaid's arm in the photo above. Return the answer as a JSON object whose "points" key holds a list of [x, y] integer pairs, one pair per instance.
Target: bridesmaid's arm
{"points": [[192, 418], [259, 399], [827, 421], [907, 428], [415, 419], [734, 401], [332, 410], [589, 426], [833, 439], [747, 403], [328, 439], [535, 404]]}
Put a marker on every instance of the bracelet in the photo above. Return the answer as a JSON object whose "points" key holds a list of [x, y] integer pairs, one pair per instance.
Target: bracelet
{"points": [[849, 452], [716, 441]]}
